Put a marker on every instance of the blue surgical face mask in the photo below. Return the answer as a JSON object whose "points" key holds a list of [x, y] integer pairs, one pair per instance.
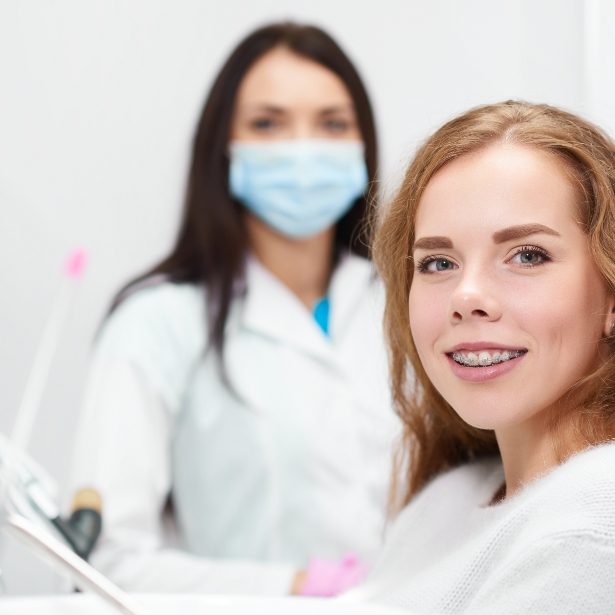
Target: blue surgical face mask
{"points": [[298, 187]]}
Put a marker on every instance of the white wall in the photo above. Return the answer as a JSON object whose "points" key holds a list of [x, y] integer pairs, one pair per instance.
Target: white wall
{"points": [[98, 100]]}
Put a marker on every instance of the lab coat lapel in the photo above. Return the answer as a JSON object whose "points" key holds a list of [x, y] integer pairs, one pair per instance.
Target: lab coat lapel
{"points": [[272, 310], [353, 277]]}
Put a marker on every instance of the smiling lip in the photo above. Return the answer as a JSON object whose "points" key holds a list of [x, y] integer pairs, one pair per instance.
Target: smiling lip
{"points": [[474, 346], [486, 373]]}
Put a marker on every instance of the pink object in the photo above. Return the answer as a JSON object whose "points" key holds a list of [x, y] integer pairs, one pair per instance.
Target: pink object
{"points": [[75, 263], [327, 578]]}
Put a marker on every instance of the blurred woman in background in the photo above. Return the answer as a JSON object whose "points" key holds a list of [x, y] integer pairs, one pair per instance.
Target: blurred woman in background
{"points": [[243, 379]]}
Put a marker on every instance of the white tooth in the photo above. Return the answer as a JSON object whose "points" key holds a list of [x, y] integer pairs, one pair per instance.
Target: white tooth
{"points": [[460, 358], [484, 358], [472, 358]]}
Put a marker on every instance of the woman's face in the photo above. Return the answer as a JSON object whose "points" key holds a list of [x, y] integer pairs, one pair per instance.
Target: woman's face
{"points": [[286, 96], [507, 307]]}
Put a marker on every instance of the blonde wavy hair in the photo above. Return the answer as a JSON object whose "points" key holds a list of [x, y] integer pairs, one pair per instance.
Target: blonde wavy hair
{"points": [[434, 437]]}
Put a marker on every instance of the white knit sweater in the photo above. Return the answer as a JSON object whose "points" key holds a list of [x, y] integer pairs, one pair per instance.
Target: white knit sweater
{"points": [[550, 549]]}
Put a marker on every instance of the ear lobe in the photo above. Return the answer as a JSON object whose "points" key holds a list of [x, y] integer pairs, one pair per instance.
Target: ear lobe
{"points": [[609, 321]]}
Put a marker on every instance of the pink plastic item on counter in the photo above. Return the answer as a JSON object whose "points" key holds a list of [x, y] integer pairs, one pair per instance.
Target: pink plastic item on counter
{"points": [[327, 578]]}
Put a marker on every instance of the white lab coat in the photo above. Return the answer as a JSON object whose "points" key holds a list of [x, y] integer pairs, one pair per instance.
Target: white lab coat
{"points": [[294, 463]]}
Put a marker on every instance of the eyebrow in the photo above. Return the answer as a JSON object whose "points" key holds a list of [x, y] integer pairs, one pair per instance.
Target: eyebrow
{"points": [[522, 230], [264, 107], [269, 108], [343, 108], [432, 243], [506, 234]]}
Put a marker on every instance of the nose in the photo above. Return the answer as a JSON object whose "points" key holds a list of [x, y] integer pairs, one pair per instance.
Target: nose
{"points": [[301, 128], [475, 298]]}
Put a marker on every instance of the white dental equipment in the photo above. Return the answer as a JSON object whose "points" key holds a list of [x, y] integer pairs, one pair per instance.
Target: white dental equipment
{"points": [[27, 494], [82, 574]]}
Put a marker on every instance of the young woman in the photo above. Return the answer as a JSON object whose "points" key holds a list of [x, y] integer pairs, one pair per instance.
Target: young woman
{"points": [[244, 377], [498, 256]]}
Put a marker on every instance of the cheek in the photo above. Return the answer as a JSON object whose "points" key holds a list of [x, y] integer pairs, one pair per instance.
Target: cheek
{"points": [[567, 323], [426, 320]]}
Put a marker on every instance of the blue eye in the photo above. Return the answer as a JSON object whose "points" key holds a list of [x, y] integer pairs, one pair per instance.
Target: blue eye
{"points": [[530, 256], [435, 264]]}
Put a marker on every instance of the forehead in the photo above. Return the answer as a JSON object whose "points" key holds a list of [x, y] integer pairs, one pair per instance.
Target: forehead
{"points": [[283, 77], [499, 186]]}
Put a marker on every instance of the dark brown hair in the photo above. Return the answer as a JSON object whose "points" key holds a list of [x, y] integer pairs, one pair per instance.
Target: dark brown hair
{"points": [[435, 438], [211, 245]]}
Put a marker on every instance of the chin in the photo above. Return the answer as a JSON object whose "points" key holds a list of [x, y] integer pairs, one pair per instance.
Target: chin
{"points": [[486, 418], [479, 422], [483, 416]]}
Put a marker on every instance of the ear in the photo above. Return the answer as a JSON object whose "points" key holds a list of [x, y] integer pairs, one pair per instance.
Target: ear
{"points": [[609, 320]]}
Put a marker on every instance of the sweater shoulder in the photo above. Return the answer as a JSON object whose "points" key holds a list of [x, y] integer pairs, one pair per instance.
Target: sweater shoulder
{"points": [[581, 492]]}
